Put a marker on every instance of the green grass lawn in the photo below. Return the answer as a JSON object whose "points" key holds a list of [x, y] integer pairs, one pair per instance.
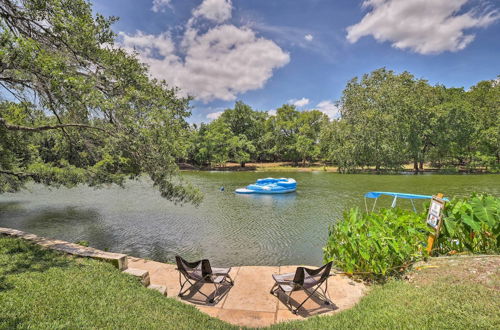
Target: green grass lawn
{"points": [[399, 305], [44, 289]]}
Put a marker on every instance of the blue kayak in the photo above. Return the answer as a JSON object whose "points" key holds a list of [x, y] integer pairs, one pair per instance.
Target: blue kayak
{"points": [[270, 186]]}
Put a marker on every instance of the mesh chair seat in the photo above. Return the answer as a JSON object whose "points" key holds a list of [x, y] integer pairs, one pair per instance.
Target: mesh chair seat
{"points": [[285, 281], [201, 272], [303, 279], [217, 277]]}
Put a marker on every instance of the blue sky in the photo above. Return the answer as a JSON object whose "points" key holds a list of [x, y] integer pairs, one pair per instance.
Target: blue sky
{"points": [[271, 52]]}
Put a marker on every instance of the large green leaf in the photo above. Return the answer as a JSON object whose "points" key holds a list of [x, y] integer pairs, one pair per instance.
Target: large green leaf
{"points": [[451, 227], [469, 220], [485, 210]]}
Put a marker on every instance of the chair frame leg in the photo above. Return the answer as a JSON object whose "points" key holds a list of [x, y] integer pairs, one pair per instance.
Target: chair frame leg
{"points": [[324, 295], [192, 284]]}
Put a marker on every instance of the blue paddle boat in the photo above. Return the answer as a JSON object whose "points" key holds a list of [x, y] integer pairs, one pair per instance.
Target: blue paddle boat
{"points": [[270, 186]]}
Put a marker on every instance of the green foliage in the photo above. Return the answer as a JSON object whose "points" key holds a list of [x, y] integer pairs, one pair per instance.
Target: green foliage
{"points": [[388, 121], [376, 244], [84, 111], [471, 224]]}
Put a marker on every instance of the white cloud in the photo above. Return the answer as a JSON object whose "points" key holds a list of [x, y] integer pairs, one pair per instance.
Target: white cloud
{"points": [[219, 64], [329, 109], [160, 5], [299, 103], [272, 112], [309, 37], [214, 10], [214, 115], [423, 26]]}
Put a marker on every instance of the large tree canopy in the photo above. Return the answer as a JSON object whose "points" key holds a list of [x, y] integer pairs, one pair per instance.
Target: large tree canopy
{"points": [[76, 109]]}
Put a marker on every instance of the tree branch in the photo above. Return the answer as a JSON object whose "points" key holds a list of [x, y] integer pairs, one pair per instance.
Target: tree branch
{"points": [[19, 175], [13, 127]]}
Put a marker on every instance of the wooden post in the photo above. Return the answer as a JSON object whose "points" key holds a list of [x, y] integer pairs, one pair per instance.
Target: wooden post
{"points": [[433, 237]]}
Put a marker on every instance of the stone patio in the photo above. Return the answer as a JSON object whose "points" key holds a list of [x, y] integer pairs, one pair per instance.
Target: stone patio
{"points": [[248, 302]]}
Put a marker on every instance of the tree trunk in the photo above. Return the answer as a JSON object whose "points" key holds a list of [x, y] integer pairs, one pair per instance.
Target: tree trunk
{"points": [[421, 165], [415, 165], [242, 164]]}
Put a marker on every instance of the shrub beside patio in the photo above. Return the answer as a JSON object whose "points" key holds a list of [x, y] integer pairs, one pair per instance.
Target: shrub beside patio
{"points": [[381, 244]]}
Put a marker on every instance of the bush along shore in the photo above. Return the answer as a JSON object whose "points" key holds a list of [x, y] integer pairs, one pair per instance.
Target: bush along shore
{"points": [[379, 245]]}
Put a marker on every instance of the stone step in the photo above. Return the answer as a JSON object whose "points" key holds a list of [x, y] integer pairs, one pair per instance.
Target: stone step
{"points": [[160, 288], [143, 275]]}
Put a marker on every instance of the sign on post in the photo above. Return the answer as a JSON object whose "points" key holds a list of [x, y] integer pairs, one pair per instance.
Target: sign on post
{"points": [[435, 219]]}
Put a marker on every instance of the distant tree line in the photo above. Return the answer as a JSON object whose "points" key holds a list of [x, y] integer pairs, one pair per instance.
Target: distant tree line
{"points": [[386, 121]]}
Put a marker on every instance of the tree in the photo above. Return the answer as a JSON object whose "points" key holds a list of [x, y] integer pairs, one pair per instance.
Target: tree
{"points": [[284, 132], [484, 98], [310, 124], [247, 126], [369, 106], [85, 111]]}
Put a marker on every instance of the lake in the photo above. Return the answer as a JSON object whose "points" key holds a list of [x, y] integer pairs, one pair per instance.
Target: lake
{"points": [[229, 229]]}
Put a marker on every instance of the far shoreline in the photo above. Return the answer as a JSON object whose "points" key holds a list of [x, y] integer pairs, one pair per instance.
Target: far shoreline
{"points": [[318, 167]]}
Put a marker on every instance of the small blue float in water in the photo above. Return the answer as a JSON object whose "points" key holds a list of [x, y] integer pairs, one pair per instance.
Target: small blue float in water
{"points": [[270, 186]]}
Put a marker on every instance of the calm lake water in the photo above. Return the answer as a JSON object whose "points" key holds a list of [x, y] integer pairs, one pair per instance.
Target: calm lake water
{"points": [[229, 229]]}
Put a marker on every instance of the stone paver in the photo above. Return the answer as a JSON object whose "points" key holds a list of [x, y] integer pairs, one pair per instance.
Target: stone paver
{"points": [[212, 311], [247, 318], [251, 290], [142, 274], [249, 302]]}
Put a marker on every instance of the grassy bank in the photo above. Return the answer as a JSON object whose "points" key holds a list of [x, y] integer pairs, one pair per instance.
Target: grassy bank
{"points": [[43, 289], [447, 293]]}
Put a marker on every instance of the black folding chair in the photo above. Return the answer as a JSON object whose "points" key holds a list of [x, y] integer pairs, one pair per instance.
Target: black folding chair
{"points": [[309, 280], [200, 272]]}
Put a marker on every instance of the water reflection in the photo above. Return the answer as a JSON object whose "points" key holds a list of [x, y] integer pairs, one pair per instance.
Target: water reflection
{"points": [[280, 200]]}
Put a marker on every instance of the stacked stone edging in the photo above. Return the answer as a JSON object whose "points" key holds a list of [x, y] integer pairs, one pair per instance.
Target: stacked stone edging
{"points": [[117, 259]]}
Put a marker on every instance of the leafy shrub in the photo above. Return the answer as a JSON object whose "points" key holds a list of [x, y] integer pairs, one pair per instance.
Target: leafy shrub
{"points": [[471, 224], [376, 244]]}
